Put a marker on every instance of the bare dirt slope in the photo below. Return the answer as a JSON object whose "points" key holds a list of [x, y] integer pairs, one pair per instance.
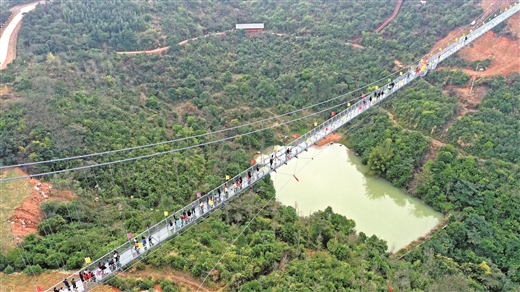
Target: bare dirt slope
{"points": [[503, 52], [12, 195], [21, 201]]}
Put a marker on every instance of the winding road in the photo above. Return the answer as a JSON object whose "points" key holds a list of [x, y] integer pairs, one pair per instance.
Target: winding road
{"points": [[8, 32]]}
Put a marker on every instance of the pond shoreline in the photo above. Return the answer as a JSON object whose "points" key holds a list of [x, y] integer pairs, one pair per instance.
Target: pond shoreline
{"points": [[339, 179]]}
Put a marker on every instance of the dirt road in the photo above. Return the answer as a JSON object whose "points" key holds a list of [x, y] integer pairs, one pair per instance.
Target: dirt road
{"points": [[159, 51], [389, 19]]}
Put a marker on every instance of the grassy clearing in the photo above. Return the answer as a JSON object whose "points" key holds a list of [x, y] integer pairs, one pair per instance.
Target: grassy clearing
{"points": [[12, 195]]}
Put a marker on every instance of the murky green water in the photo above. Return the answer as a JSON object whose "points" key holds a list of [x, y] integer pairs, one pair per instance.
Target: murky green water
{"points": [[336, 178]]}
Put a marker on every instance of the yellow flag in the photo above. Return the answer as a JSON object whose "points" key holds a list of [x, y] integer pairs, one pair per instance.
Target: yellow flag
{"points": [[440, 49], [348, 104], [344, 118], [315, 124], [165, 213], [227, 176], [276, 148], [140, 245], [377, 87], [401, 73], [308, 140], [87, 260], [265, 168]]}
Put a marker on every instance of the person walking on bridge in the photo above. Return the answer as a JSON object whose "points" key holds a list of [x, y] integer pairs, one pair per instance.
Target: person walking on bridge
{"points": [[170, 224], [66, 284], [178, 223], [143, 241], [136, 246]]}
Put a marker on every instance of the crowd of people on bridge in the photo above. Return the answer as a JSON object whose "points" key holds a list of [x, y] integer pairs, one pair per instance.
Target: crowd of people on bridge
{"points": [[206, 202]]}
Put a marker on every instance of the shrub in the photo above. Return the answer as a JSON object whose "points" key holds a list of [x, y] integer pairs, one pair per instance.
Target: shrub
{"points": [[168, 286], [9, 270], [33, 270], [74, 262], [52, 225], [3, 262], [145, 284]]}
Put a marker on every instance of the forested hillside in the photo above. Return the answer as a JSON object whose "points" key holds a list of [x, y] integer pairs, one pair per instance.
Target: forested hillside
{"points": [[73, 95], [494, 131]]}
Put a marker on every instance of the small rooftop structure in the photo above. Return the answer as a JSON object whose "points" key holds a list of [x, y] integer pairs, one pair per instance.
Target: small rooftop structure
{"points": [[250, 27]]}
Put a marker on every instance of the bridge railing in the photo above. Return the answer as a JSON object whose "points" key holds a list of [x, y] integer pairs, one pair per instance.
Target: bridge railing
{"points": [[474, 34]]}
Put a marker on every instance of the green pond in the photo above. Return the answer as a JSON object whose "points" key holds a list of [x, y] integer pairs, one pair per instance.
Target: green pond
{"points": [[334, 176]]}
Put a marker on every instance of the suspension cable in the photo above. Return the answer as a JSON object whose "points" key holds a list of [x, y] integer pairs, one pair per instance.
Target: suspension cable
{"points": [[235, 127], [173, 150]]}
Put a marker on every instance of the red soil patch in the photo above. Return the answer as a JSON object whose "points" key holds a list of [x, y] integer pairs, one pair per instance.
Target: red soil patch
{"points": [[27, 217], [503, 52], [330, 138], [398, 65], [469, 100]]}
